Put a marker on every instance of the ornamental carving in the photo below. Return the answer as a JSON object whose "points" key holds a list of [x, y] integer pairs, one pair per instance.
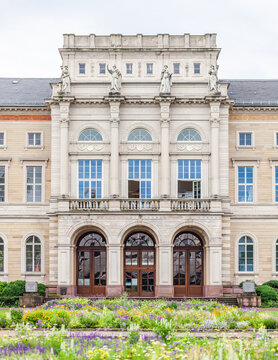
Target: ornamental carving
{"points": [[192, 147], [90, 147], [140, 147]]}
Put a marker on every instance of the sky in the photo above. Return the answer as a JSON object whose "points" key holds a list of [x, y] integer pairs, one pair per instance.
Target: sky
{"points": [[31, 30]]}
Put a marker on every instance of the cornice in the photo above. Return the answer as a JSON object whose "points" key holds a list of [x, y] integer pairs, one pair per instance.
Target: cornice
{"points": [[254, 108], [25, 108]]}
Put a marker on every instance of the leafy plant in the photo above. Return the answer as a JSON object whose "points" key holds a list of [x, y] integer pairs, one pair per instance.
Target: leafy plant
{"points": [[270, 323], [272, 283], [267, 293], [16, 316], [164, 328]]}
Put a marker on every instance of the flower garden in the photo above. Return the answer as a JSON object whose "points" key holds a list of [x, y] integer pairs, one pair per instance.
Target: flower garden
{"points": [[138, 330]]}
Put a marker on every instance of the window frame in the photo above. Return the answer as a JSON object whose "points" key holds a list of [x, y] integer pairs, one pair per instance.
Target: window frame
{"points": [[249, 163], [275, 140], [6, 164], [140, 179], [196, 73], [139, 141], [89, 141], [245, 244], [147, 73], [79, 68], [4, 145], [252, 146], [43, 164], [190, 141], [179, 68], [99, 70], [193, 180], [29, 274], [126, 69], [4, 273], [28, 146], [91, 179]]}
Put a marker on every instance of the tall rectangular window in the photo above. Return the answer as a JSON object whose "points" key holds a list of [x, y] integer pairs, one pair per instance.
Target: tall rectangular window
{"points": [[276, 139], [90, 179], [2, 183], [129, 68], [197, 68], [2, 139], [34, 183], [189, 179], [245, 184], [139, 179], [176, 68], [82, 68], [102, 69], [34, 139], [276, 183], [149, 68], [245, 139]]}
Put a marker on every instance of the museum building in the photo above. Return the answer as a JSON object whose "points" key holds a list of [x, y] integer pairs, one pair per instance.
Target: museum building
{"points": [[139, 171]]}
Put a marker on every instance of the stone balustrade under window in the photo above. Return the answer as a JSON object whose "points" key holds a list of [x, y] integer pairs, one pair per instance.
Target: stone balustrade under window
{"points": [[158, 205]]}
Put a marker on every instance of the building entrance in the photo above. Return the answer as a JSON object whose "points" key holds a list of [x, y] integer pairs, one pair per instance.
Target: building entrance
{"points": [[188, 265], [91, 265], [139, 265]]}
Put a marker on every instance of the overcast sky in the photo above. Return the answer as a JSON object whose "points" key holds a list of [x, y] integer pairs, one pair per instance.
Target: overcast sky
{"points": [[31, 30]]}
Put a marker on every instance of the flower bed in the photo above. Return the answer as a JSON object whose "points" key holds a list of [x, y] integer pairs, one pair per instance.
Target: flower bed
{"points": [[57, 344], [76, 313]]}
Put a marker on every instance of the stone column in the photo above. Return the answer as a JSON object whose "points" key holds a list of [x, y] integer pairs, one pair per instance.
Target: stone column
{"points": [[164, 266], [114, 284], [114, 143], [214, 286], [64, 151], [164, 145], [214, 131]]}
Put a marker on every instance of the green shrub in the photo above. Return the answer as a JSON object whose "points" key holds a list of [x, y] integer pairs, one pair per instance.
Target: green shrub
{"points": [[267, 293], [7, 301], [14, 288], [16, 316], [272, 283], [41, 289], [164, 328], [87, 321], [3, 284], [4, 321], [270, 323]]}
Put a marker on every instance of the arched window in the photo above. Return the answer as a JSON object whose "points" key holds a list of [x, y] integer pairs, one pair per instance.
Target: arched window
{"points": [[187, 239], [276, 257], [139, 239], [1, 254], [139, 135], [90, 135], [189, 135], [245, 254], [33, 254], [92, 239]]}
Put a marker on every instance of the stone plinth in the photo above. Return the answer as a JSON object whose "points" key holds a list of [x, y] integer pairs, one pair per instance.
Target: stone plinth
{"points": [[249, 300], [30, 300]]}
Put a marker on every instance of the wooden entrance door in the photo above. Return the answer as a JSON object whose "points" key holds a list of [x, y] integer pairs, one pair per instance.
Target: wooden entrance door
{"points": [[91, 265], [188, 265], [139, 265]]}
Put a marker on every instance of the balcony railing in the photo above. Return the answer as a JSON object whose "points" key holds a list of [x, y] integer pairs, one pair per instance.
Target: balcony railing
{"points": [[140, 204], [190, 205], [89, 204], [179, 205]]}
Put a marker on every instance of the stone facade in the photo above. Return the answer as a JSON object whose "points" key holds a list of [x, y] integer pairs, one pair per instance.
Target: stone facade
{"points": [[216, 217]]}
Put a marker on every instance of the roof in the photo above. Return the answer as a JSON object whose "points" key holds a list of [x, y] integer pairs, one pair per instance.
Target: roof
{"points": [[25, 91], [253, 92], [33, 91]]}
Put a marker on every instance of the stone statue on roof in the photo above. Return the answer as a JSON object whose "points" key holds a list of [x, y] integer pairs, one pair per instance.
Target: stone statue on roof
{"points": [[166, 81], [115, 79], [213, 81], [64, 83]]}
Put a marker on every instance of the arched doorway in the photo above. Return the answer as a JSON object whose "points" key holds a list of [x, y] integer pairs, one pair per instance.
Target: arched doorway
{"points": [[139, 265], [91, 264], [188, 269]]}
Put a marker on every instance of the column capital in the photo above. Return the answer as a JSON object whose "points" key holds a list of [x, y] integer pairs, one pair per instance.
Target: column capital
{"points": [[214, 122], [64, 112], [114, 111]]}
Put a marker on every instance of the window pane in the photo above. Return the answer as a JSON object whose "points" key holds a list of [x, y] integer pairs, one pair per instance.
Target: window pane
{"points": [[197, 68], [176, 68], [149, 68], [139, 135], [81, 68], [102, 68], [189, 135], [1, 139]]}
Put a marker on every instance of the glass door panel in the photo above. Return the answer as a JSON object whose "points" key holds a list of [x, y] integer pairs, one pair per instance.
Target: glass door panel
{"points": [[84, 268], [147, 281], [131, 281]]}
